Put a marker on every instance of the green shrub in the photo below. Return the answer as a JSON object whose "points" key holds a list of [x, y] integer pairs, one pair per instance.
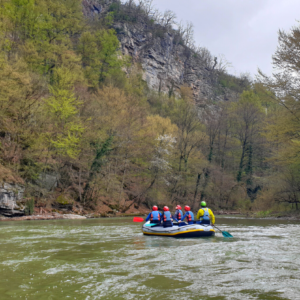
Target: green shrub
{"points": [[245, 205], [263, 214], [62, 200], [29, 207], [114, 7]]}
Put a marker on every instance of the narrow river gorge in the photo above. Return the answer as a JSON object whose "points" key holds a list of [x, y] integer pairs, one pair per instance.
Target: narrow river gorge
{"points": [[111, 259]]}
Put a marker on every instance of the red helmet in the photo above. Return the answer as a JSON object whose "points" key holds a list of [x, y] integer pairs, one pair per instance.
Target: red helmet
{"points": [[178, 207], [154, 208], [187, 208], [166, 208]]}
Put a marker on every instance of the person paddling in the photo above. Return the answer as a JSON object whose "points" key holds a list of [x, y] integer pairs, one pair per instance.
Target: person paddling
{"points": [[178, 213], [166, 216], [155, 216], [188, 215], [205, 215]]}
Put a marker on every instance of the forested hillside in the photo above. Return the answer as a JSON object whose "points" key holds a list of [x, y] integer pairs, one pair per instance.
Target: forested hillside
{"points": [[80, 127]]}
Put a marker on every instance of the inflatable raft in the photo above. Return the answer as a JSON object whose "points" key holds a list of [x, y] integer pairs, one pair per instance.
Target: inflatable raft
{"points": [[195, 230]]}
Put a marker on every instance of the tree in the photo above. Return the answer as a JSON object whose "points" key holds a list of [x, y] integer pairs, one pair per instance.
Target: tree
{"points": [[247, 117], [41, 31], [168, 18], [285, 92], [20, 100], [187, 33], [62, 109], [147, 6], [190, 129], [205, 57], [100, 56]]}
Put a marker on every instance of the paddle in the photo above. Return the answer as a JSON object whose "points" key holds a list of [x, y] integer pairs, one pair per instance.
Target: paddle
{"points": [[225, 233], [138, 219]]}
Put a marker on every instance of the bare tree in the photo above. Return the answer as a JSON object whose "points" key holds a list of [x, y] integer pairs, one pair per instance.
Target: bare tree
{"points": [[186, 31], [130, 3], [181, 29], [190, 134], [147, 6], [212, 130], [156, 16], [168, 18], [247, 117], [205, 56], [189, 34], [222, 64]]}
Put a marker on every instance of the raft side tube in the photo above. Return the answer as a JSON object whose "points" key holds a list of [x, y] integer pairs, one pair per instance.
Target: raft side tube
{"points": [[194, 230]]}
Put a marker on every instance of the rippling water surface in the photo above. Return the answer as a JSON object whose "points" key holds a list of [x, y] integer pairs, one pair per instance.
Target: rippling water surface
{"points": [[111, 259]]}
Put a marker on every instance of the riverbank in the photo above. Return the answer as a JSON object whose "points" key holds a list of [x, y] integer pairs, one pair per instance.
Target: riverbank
{"points": [[267, 215], [60, 216], [71, 216], [293, 216], [52, 216]]}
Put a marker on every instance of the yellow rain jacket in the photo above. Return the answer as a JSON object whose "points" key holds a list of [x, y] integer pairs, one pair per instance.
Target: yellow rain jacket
{"points": [[211, 215]]}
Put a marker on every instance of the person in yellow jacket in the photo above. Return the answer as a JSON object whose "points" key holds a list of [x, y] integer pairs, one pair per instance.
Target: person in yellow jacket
{"points": [[205, 215]]}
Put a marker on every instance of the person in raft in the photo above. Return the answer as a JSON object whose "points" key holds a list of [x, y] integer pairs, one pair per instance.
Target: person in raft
{"points": [[188, 215], [178, 213], [205, 215], [166, 217], [155, 216]]}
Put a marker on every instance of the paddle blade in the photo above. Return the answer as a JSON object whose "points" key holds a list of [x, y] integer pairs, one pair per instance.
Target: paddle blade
{"points": [[227, 234], [138, 219], [150, 225]]}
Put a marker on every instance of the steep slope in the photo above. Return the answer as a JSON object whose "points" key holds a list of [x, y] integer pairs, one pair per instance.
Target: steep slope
{"points": [[167, 62]]}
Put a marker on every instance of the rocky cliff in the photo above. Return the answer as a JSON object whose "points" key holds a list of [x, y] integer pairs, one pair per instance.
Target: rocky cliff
{"points": [[166, 66], [10, 194], [166, 61]]}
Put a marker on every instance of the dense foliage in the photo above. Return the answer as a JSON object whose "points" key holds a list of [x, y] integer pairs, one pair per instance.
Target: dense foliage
{"points": [[73, 107]]}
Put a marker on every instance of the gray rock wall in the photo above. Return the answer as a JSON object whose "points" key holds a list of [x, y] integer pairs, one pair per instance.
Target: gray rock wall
{"points": [[47, 181], [167, 64], [9, 195]]}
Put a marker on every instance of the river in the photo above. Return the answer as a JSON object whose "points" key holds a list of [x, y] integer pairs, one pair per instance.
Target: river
{"points": [[111, 259]]}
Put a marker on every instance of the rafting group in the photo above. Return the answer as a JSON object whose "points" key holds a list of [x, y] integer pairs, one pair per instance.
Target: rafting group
{"points": [[166, 219], [180, 225]]}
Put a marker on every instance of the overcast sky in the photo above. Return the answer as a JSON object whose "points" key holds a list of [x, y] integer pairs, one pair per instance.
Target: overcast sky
{"points": [[245, 31]]}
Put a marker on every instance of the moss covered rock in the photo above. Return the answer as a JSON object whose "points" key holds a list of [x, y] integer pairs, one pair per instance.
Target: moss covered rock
{"points": [[63, 200]]}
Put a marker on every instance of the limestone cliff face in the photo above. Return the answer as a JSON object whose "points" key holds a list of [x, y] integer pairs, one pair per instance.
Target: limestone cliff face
{"points": [[167, 64], [10, 194]]}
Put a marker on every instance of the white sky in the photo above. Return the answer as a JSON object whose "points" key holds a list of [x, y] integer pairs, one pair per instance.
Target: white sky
{"points": [[244, 31]]}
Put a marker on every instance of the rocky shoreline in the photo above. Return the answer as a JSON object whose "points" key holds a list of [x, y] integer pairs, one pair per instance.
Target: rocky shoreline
{"points": [[72, 216], [68, 216], [52, 216]]}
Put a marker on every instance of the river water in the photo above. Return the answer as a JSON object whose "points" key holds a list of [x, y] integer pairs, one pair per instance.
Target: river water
{"points": [[111, 259]]}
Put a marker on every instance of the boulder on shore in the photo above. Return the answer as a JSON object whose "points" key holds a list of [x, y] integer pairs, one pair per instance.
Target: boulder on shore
{"points": [[9, 195], [73, 217]]}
